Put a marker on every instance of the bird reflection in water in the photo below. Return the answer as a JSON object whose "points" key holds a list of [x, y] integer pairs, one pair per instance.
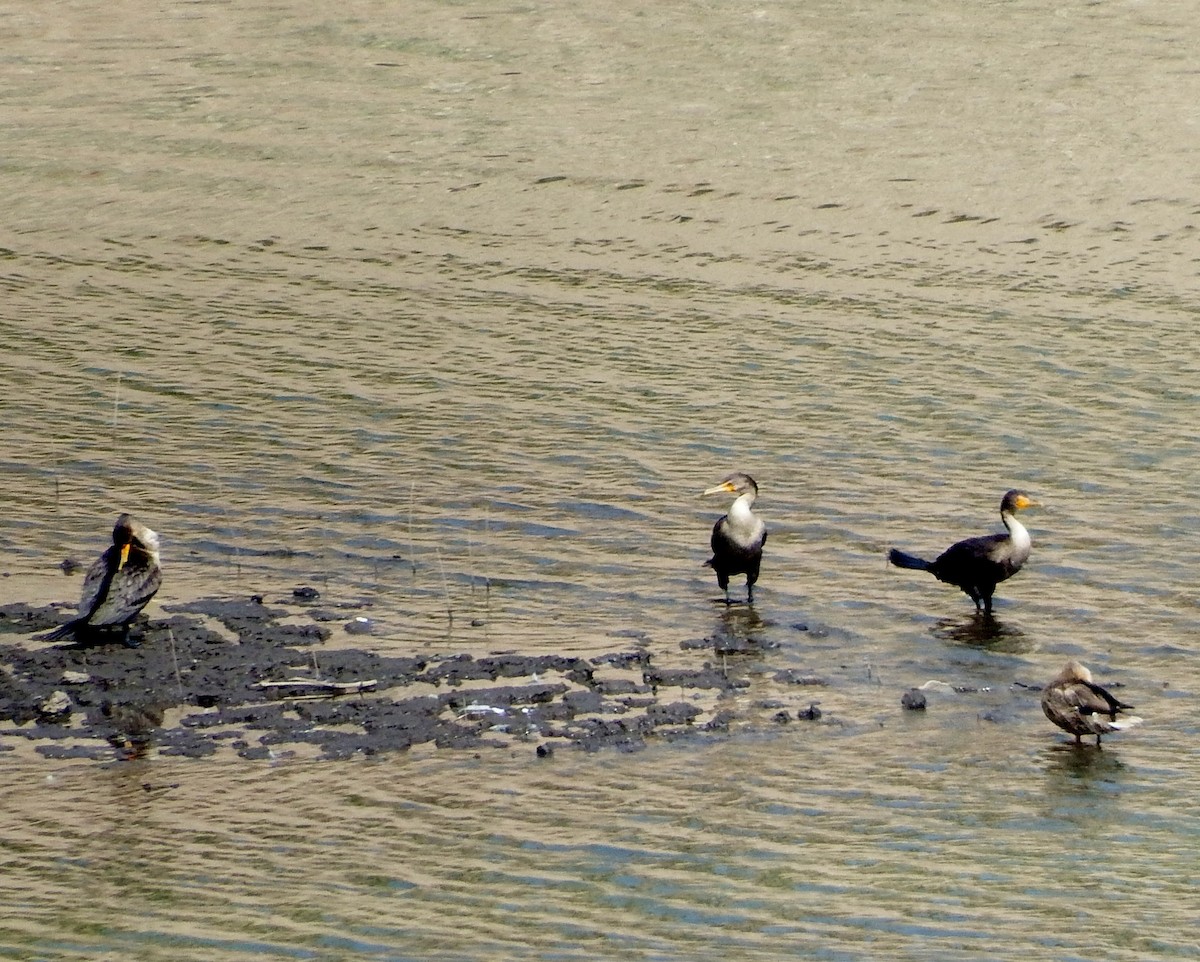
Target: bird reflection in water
{"points": [[131, 725], [1071, 767], [738, 631], [983, 630]]}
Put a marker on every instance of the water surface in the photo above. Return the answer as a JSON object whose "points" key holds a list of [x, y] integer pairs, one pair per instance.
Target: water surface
{"points": [[455, 309]]}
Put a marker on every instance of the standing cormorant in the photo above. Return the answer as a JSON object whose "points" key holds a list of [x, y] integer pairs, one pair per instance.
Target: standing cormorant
{"points": [[119, 583], [977, 565], [1078, 705], [738, 537]]}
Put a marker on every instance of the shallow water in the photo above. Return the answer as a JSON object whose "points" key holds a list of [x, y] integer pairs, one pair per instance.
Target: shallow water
{"points": [[456, 310]]}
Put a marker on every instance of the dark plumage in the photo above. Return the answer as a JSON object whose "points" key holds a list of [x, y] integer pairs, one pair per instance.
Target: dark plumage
{"points": [[737, 537], [1078, 705], [977, 565], [119, 583]]}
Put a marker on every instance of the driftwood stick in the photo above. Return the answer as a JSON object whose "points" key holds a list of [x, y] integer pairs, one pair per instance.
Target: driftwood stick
{"points": [[317, 684]]}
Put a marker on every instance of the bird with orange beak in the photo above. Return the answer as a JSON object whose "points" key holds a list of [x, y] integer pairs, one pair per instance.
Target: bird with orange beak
{"points": [[737, 537], [977, 565], [118, 585]]}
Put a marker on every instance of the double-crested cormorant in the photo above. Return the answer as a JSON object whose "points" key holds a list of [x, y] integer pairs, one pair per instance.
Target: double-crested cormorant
{"points": [[739, 536], [1078, 705], [977, 565], [119, 583]]}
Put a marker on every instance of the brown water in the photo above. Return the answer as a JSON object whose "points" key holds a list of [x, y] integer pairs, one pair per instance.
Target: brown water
{"points": [[461, 305]]}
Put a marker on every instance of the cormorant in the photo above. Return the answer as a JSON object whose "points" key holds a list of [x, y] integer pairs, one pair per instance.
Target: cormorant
{"points": [[119, 583], [1078, 705], [738, 537], [977, 565]]}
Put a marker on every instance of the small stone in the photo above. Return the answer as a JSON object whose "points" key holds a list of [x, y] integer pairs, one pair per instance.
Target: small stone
{"points": [[306, 593], [913, 700], [545, 751], [782, 717], [811, 713], [360, 626], [58, 703], [791, 676], [75, 677]]}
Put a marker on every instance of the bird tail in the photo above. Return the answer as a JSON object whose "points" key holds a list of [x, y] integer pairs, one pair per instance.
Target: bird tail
{"points": [[709, 562], [1121, 724], [62, 631], [902, 559]]}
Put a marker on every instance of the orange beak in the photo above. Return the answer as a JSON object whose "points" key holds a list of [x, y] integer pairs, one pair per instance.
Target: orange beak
{"points": [[124, 556]]}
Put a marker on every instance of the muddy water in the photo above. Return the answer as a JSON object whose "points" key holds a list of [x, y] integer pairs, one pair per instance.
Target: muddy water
{"points": [[455, 309]]}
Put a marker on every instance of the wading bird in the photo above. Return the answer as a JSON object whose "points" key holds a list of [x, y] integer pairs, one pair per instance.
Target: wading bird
{"points": [[1078, 705], [738, 537], [118, 585], [977, 565]]}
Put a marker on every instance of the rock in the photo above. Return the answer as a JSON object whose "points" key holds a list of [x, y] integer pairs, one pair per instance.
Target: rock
{"points": [[59, 703], [791, 676], [913, 700]]}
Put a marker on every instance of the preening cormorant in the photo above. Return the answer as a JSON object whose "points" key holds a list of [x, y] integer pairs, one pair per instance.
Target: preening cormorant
{"points": [[737, 537], [977, 565], [118, 585], [1078, 705]]}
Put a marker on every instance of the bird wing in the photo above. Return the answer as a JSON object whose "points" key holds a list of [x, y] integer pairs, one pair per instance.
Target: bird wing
{"points": [[985, 546], [1111, 704], [95, 583], [719, 539], [1088, 698], [129, 593]]}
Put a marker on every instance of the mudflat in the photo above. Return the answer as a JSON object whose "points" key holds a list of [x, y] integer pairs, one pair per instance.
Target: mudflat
{"points": [[257, 678]]}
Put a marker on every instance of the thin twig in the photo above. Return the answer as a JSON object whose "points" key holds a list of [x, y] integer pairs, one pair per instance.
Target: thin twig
{"points": [[175, 661], [445, 588], [412, 554]]}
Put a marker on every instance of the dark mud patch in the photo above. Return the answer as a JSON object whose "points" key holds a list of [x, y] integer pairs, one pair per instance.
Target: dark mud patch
{"points": [[239, 675]]}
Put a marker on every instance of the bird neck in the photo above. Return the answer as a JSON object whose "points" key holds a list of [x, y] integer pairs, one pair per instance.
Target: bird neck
{"points": [[740, 518], [1020, 536], [143, 550]]}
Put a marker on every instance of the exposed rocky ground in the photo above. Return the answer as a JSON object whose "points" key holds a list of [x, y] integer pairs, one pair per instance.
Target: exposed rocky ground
{"points": [[241, 675]]}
